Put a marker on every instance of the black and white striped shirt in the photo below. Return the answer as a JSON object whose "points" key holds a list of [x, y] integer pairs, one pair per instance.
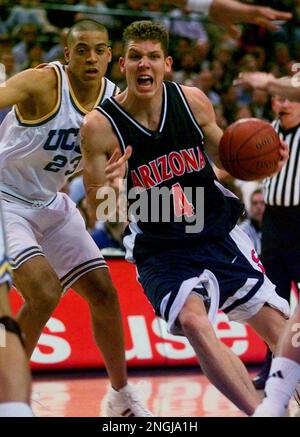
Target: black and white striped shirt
{"points": [[283, 189]]}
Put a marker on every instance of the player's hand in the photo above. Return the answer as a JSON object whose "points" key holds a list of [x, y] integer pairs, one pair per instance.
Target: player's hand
{"points": [[254, 80], [285, 153], [229, 12], [115, 168]]}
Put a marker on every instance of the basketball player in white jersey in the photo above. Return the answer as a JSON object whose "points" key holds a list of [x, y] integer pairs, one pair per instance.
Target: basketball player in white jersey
{"points": [[15, 379], [47, 240]]}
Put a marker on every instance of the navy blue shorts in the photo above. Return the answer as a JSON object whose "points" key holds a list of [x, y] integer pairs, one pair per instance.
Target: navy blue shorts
{"points": [[228, 270]]}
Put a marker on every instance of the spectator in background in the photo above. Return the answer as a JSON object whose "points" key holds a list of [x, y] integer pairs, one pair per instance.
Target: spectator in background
{"points": [[35, 56], [5, 42], [57, 51], [253, 224], [100, 13], [65, 18], [205, 82], [8, 69], [242, 111], [260, 104], [281, 59], [229, 102], [217, 71], [188, 68], [116, 75], [184, 24], [3, 16], [8, 60], [28, 12], [28, 35]]}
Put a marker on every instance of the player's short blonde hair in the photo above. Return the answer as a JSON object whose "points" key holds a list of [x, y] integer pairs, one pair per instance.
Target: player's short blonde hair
{"points": [[147, 30]]}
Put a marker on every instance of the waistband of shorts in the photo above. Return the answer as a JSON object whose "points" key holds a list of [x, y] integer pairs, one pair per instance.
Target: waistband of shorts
{"points": [[12, 197]]}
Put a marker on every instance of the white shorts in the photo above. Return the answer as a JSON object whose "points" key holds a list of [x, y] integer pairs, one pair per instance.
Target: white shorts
{"points": [[5, 270], [56, 231]]}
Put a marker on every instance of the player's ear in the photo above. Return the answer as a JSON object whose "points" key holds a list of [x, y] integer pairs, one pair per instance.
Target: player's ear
{"points": [[122, 64], [67, 54], [109, 54], [168, 64]]}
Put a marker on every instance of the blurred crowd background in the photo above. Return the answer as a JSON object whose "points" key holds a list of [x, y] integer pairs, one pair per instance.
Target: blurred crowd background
{"points": [[34, 31]]}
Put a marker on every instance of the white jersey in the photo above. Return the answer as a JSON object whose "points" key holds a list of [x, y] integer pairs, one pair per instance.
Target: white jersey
{"points": [[38, 156], [5, 275]]}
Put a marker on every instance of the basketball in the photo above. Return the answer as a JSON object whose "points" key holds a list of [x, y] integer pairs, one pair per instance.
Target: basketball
{"points": [[249, 149]]}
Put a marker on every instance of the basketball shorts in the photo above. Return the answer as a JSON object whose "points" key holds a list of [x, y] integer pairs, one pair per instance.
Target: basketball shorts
{"points": [[228, 271], [5, 269], [56, 231]]}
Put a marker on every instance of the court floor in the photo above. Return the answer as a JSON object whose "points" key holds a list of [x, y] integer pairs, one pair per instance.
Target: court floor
{"points": [[167, 394]]}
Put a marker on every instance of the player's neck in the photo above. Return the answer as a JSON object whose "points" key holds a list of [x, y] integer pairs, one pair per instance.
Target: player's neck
{"points": [[146, 111], [86, 93]]}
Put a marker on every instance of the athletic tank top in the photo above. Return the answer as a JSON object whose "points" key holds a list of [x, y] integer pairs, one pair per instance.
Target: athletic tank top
{"points": [[38, 156], [172, 159]]}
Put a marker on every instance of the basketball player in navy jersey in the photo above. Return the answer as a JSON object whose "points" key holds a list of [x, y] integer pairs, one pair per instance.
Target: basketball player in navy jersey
{"points": [[165, 133], [50, 248], [15, 381]]}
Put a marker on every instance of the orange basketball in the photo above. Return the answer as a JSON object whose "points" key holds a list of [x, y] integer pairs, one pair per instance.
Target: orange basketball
{"points": [[249, 149]]}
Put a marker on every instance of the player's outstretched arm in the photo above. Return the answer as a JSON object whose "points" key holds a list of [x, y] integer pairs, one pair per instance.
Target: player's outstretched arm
{"points": [[27, 86], [288, 87], [227, 13]]}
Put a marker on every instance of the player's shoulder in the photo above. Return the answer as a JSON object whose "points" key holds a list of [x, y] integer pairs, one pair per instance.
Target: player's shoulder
{"points": [[97, 127], [43, 78], [197, 100], [95, 120], [194, 95]]}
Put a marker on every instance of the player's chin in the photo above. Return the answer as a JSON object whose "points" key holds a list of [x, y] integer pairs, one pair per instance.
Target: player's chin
{"points": [[145, 93]]}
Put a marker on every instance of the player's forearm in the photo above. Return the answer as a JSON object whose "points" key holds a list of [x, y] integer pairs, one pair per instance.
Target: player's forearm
{"points": [[235, 10], [213, 154], [285, 87], [102, 201], [202, 6], [91, 195]]}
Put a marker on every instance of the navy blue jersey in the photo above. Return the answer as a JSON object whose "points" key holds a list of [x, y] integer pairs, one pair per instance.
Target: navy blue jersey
{"points": [[173, 159]]}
